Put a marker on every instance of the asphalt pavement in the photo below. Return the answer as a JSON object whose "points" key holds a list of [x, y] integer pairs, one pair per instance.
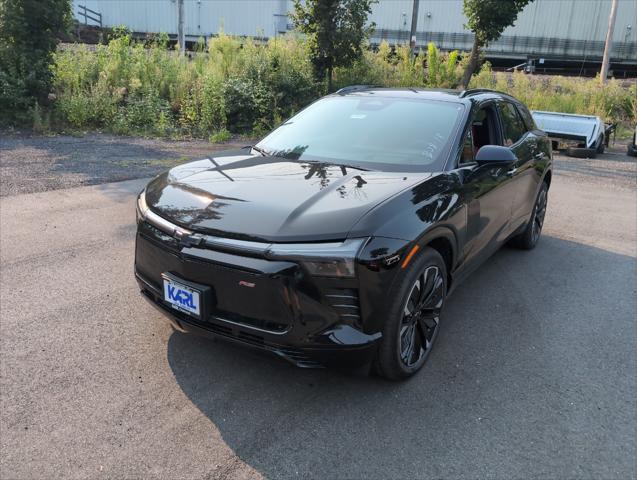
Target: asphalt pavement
{"points": [[534, 374]]}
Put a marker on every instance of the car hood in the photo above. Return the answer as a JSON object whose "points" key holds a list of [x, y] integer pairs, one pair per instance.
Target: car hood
{"points": [[236, 194]]}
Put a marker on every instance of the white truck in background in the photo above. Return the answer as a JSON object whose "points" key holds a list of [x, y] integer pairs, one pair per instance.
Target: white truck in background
{"points": [[585, 135]]}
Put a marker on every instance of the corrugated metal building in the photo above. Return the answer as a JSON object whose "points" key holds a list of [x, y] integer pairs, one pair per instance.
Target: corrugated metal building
{"points": [[555, 30]]}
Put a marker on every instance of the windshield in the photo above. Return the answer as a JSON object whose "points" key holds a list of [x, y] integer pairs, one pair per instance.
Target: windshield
{"points": [[381, 133]]}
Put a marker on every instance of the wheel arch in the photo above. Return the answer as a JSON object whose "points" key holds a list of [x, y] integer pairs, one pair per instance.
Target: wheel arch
{"points": [[444, 241]]}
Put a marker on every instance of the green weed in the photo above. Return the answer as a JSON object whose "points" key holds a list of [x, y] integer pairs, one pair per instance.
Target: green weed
{"points": [[236, 86]]}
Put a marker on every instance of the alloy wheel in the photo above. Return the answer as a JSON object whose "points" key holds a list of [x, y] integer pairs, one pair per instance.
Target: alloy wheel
{"points": [[540, 212], [421, 316]]}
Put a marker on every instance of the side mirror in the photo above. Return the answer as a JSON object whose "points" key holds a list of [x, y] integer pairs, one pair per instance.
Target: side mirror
{"points": [[492, 154]]}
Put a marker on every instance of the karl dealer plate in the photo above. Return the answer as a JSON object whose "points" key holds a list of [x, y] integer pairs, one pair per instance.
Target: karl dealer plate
{"points": [[182, 297]]}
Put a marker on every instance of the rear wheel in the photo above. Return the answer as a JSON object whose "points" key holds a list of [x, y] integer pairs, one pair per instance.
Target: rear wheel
{"points": [[531, 234], [600, 144], [414, 317], [581, 152]]}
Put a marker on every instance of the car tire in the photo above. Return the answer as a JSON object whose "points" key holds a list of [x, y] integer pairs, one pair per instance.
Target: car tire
{"points": [[601, 145], [413, 316], [527, 240], [632, 150], [580, 152]]}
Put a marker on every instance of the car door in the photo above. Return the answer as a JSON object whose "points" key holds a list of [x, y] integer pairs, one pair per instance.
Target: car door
{"points": [[485, 190], [525, 177]]}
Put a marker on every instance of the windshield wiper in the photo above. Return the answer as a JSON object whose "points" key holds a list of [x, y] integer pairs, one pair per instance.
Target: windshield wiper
{"points": [[260, 150], [335, 164], [356, 167]]}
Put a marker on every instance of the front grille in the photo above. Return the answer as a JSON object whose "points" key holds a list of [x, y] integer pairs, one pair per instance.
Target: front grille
{"points": [[346, 303], [274, 327], [221, 329], [251, 338], [292, 355], [261, 308]]}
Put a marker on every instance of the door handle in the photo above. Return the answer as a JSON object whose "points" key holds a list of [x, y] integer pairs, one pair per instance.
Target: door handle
{"points": [[539, 156], [512, 172]]}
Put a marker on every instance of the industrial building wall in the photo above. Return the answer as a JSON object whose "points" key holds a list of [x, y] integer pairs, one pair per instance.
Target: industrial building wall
{"points": [[550, 28], [202, 17], [573, 29]]}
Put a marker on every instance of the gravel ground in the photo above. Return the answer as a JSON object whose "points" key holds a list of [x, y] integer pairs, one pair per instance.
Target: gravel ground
{"points": [[614, 167], [30, 164]]}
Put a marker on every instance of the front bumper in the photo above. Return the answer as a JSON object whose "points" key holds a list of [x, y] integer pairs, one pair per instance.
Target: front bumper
{"points": [[338, 356], [307, 321]]}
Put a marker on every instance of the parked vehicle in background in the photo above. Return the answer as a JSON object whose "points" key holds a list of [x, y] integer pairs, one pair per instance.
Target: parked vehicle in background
{"points": [[585, 135], [337, 238]]}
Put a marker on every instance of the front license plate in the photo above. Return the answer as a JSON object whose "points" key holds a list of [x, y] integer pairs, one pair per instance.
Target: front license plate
{"points": [[182, 297]]}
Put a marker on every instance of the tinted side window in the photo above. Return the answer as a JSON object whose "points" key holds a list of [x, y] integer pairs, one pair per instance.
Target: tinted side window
{"points": [[527, 117], [512, 123]]}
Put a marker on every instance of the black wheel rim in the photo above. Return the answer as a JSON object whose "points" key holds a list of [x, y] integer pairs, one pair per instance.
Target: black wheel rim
{"points": [[538, 218], [421, 316]]}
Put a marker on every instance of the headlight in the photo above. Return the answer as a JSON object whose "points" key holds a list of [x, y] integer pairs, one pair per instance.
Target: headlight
{"points": [[334, 259]]}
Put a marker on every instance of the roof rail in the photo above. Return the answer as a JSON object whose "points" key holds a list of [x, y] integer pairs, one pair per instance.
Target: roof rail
{"points": [[354, 88], [473, 91]]}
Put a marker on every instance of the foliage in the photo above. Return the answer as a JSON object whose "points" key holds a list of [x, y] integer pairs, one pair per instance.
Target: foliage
{"points": [[336, 32], [144, 88], [487, 19], [236, 86], [612, 102], [395, 68], [29, 30]]}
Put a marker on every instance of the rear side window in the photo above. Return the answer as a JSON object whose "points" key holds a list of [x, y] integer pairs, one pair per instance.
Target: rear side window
{"points": [[512, 123], [527, 117]]}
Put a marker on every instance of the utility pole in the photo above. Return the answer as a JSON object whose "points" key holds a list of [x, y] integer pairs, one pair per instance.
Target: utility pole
{"points": [[181, 37], [414, 27], [609, 42]]}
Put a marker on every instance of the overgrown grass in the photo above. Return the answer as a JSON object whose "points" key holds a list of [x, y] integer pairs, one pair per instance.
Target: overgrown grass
{"points": [[613, 102], [235, 86]]}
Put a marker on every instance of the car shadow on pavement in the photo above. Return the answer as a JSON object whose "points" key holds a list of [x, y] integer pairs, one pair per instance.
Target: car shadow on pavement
{"points": [[535, 360]]}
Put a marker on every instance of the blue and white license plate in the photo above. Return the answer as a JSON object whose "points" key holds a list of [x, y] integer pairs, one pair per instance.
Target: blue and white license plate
{"points": [[181, 297]]}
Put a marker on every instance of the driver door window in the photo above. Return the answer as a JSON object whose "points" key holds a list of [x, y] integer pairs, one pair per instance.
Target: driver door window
{"points": [[512, 124], [482, 132]]}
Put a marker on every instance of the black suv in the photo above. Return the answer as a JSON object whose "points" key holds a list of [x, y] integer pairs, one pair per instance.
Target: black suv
{"points": [[336, 239]]}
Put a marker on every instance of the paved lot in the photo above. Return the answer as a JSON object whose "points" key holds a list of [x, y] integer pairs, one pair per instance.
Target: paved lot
{"points": [[534, 374]]}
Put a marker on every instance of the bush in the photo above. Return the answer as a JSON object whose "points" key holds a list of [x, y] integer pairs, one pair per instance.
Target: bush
{"points": [[611, 102], [28, 36], [240, 87]]}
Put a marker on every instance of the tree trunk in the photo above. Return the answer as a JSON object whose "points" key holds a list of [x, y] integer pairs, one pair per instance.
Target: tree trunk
{"points": [[472, 65], [329, 79], [609, 43]]}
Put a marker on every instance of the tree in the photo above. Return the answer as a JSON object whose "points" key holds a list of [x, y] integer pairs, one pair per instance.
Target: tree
{"points": [[487, 19], [29, 31], [336, 32]]}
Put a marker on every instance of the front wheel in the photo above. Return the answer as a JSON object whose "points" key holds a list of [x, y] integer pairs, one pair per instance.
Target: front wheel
{"points": [[531, 234], [414, 317]]}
